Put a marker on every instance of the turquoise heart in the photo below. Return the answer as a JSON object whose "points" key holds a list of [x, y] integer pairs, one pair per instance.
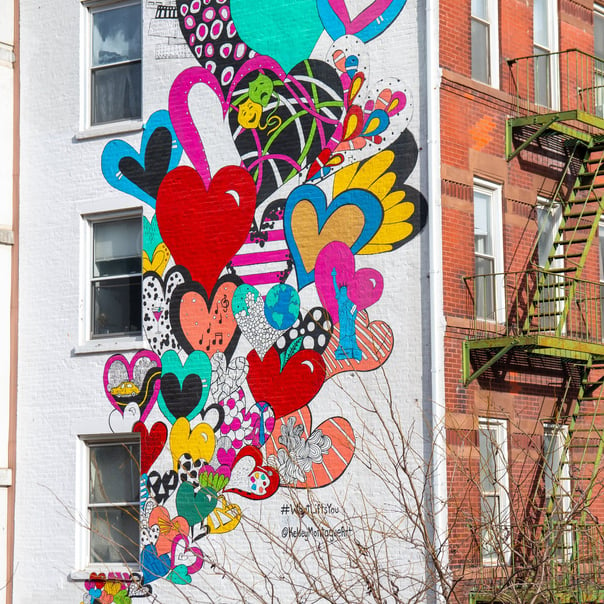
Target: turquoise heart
{"points": [[189, 385], [179, 575], [266, 26], [151, 236], [195, 507]]}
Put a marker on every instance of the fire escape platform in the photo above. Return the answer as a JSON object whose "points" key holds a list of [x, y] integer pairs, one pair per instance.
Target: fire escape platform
{"points": [[485, 353]]}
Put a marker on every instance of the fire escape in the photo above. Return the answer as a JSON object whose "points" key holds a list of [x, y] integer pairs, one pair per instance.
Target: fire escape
{"points": [[550, 323]]}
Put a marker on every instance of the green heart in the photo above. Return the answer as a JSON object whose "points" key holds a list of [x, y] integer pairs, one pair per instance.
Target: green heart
{"points": [[197, 363], [122, 597], [195, 507], [151, 236], [266, 26], [179, 575]]}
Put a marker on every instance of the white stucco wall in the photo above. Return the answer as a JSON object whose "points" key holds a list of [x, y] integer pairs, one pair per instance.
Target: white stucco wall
{"points": [[60, 374]]}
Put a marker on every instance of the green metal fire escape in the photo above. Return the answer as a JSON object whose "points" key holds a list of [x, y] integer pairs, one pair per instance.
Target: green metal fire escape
{"points": [[554, 316]]}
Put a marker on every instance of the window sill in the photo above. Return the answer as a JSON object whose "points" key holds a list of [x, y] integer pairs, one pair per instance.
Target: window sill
{"points": [[111, 571], [117, 344], [111, 129]]}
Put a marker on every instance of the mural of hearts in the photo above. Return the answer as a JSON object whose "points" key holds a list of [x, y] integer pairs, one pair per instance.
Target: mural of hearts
{"points": [[184, 388], [291, 388], [311, 332], [122, 421], [153, 566], [225, 517], [152, 443], [151, 236], [161, 486], [157, 294], [169, 528], [212, 37], [134, 381], [280, 125], [204, 228], [370, 23], [265, 25], [202, 324], [226, 380], [310, 458], [198, 442], [249, 309], [140, 174], [249, 478], [336, 267], [375, 340], [264, 259], [195, 505], [353, 218], [158, 261]]}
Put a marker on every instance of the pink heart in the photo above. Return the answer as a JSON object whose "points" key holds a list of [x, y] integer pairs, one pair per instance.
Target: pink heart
{"points": [[364, 286], [183, 553], [122, 379]]}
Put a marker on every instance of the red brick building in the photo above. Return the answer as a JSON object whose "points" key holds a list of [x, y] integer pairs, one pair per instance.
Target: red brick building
{"points": [[522, 140]]}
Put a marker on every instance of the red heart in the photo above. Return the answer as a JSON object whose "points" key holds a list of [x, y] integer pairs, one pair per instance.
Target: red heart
{"points": [[249, 478], [152, 443], [333, 462], [291, 388], [375, 340], [205, 229]]}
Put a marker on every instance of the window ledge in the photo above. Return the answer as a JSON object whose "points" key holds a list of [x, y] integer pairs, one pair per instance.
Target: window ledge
{"points": [[109, 345], [112, 571], [111, 129]]}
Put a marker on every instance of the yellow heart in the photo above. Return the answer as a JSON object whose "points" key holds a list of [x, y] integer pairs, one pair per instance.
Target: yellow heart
{"points": [[112, 587], [225, 517], [345, 225], [199, 443], [158, 263]]}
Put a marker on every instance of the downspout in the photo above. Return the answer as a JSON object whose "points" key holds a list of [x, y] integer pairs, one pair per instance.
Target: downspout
{"points": [[437, 318]]}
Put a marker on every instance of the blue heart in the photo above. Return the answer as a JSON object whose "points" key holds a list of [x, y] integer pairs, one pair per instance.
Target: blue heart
{"points": [[368, 203], [95, 592], [117, 151], [152, 565]]}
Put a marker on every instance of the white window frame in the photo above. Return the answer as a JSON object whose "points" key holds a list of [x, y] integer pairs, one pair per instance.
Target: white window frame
{"points": [[547, 230], [557, 471], [83, 528], [599, 69], [113, 341], [503, 548], [494, 192], [553, 46], [492, 23], [87, 128]]}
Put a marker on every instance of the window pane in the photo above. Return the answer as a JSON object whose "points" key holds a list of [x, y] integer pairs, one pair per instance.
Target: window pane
{"points": [[116, 35], [480, 52], [480, 9], [540, 23], [114, 473], [117, 247], [116, 305], [483, 243], [116, 93], [542, 79], [599, 34], [114, 534]]}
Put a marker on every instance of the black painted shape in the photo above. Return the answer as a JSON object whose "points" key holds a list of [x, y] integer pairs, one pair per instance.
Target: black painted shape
{"points": [[181, 400]]}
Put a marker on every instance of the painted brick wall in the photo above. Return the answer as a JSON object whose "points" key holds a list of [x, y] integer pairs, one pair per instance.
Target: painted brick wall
{"points": [[66, 381]]}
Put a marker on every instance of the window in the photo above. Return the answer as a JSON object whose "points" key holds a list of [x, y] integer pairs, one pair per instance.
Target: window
{"points": [[599, 54], [557, 488], [489, 295], [113, 498], [115, 282], [485, 51], [545, 42], [494, 491], [115, 61], [551, 304]]}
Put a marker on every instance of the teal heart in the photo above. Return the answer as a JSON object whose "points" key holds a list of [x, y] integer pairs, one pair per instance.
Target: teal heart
{"points": [[266, 26], [195, 507], [184, 388], [151, 236], [179, 575]]}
